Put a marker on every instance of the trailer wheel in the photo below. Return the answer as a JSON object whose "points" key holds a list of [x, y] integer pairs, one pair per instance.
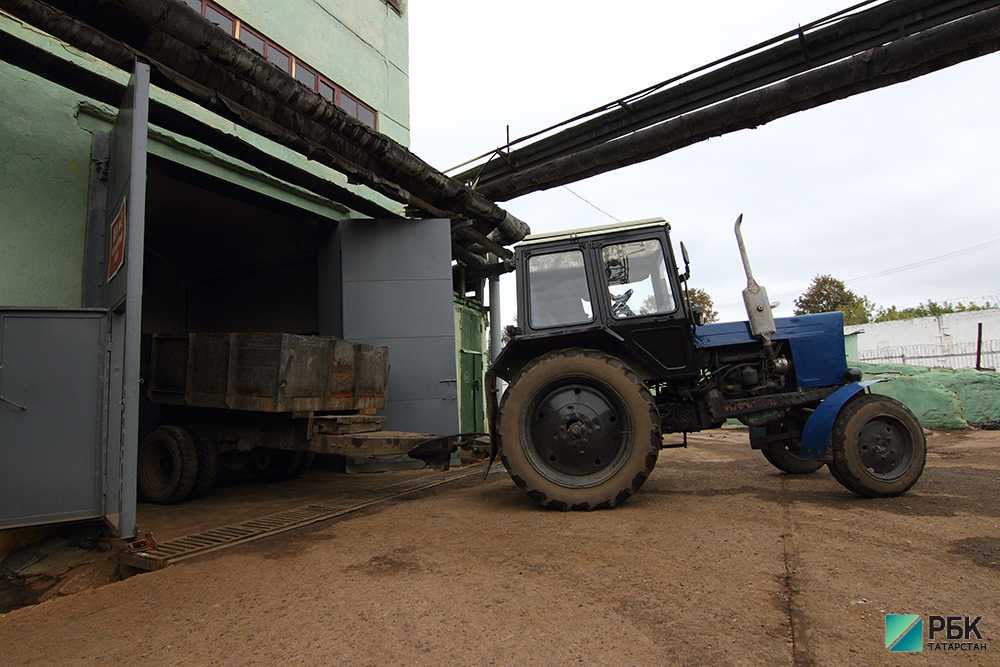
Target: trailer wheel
{"points": [[878, 447], [786, 454], [578, 430], [168, 465], [275, 465], [208, 460]]}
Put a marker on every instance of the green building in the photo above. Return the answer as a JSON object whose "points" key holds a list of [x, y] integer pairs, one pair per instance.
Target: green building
{"points": [[225, 229]]}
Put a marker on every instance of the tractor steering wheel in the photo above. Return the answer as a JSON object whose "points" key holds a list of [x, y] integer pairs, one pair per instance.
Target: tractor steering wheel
{"points": [[618, 306]]}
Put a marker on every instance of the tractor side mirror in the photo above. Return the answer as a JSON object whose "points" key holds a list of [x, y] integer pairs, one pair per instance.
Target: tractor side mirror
{"points": [[687, 264]]}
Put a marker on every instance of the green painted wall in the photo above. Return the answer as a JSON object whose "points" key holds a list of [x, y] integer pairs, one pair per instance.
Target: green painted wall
{"points": [[46, 134], [362, 45], [44, 179]]}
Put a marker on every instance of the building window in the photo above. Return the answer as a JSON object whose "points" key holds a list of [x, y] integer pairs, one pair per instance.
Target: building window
{"points": [[279, 58], [306, 76], [327, 91], [286, 62], [348, 104], [220, 19], [366, 116], [252, 39]]}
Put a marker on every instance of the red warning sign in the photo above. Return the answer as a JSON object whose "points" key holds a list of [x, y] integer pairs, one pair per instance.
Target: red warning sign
{"points": [[116, 248]]}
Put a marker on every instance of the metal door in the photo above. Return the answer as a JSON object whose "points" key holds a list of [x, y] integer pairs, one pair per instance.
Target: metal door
{"points": [[70, 377], [53, 366], [397, 292], [122, 295]]}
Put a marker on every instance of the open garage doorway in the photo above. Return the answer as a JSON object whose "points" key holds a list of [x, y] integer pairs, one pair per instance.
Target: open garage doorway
{"points": [[220, 257]]}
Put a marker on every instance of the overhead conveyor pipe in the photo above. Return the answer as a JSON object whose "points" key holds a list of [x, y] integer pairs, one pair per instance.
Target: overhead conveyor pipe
{"points": [[182, 23], [901, 60], [185, 68], [33, 59]]}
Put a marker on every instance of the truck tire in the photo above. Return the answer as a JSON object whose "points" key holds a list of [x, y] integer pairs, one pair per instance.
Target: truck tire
{"points": [[168, 465], [208, 461], [785, 455], [578, 430], [878, 447]]}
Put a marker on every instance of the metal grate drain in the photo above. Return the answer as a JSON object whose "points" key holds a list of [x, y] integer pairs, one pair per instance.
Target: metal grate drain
{"points": [[160, 555]]}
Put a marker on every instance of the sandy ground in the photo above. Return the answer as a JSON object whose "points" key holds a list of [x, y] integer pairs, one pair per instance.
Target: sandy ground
{"points": [[719, 560]]}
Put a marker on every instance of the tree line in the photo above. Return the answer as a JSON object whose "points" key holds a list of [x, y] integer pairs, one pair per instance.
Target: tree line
{"points": [[827, 294]]}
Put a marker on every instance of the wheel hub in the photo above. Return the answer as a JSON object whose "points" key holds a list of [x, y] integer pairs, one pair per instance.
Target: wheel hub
{"points": [[158, 467], [576, 430], [884, 448]]}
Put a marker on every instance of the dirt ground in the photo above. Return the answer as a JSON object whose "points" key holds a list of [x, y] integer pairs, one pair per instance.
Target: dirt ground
{"points": [[719, 560]]}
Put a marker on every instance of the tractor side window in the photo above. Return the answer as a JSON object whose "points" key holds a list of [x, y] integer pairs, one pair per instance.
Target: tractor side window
{"points": [[636, 275], [557, 290]]}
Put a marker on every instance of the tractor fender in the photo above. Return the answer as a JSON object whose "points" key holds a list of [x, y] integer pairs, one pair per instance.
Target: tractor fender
{"points": [[819, 427]]}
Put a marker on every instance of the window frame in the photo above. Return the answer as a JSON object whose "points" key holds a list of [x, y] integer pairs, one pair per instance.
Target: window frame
{"points": [[294, 62], [528, 291], [606, 285]]}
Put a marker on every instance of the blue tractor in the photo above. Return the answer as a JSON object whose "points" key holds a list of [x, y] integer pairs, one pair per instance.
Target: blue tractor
{"points": [[609, 355]]}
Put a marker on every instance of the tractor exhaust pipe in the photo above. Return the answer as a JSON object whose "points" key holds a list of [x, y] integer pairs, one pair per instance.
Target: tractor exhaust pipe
{"points": [[755, 297]]}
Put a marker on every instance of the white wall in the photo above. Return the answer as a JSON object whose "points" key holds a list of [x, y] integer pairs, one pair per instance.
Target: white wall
{"points": [[951, 337], [942, 330]]}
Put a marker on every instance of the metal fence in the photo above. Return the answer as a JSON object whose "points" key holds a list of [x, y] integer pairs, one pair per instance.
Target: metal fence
{"points": [[955, 355]]}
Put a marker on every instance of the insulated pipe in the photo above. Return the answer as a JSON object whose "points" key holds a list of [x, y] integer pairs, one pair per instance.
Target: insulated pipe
{"points": [[203, 36], [90, 84], [181, 22], [902, 60], [816, 44]]}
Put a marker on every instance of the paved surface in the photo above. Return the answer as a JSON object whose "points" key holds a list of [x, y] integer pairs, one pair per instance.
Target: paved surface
{"points": [[719, 560]]}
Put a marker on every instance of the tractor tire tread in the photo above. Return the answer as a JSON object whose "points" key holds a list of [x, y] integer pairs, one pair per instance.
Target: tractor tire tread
{"points": [[652, 453]]}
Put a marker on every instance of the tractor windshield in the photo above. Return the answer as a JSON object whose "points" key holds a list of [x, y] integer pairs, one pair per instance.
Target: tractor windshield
{"points": [[636, 274], [558, 293]]}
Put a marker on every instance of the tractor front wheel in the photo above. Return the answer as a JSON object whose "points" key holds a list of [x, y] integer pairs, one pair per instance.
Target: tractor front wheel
{"points": [[578, 430], [878, 447], [786, 454]]}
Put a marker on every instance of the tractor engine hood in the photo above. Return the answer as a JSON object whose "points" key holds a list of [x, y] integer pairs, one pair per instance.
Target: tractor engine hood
{"points": [[816, 342]]}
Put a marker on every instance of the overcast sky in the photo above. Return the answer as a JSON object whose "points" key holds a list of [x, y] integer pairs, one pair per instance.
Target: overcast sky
{"points": [[861, 186]]}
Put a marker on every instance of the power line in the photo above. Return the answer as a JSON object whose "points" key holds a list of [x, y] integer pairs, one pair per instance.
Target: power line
{"points": [[591, 203], [905, 267]]}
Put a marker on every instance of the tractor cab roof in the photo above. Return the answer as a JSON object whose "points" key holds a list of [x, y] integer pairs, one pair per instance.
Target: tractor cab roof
{"points": [[572, 234]]}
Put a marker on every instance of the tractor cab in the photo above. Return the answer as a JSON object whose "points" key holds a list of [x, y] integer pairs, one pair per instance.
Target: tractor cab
{"points": [[614, 287]]}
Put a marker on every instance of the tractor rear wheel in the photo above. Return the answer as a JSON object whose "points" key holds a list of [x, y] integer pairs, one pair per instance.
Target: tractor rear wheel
{"points": [[578, 430], [878, 446]]}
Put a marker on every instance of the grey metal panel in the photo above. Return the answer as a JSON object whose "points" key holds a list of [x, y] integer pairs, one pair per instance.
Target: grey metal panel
{"points": [[415, 385], [123, 294], [396, 250], [406, 309], [53, 364], [397, 292]]}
